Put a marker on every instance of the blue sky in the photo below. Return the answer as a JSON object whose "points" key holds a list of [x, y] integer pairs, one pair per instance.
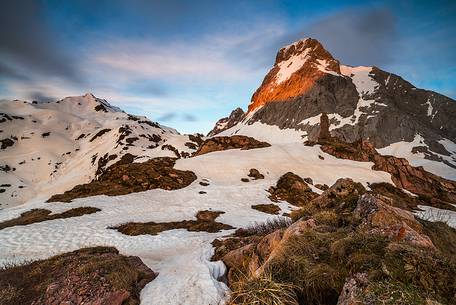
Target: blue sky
{"points": [[188, 63]]}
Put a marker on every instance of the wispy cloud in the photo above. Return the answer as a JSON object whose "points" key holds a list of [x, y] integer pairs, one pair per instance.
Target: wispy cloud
{"points": [[219, 57]]}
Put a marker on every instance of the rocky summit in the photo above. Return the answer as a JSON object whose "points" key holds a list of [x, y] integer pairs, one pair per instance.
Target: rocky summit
{"points": [[361, 103], [337, 186]]}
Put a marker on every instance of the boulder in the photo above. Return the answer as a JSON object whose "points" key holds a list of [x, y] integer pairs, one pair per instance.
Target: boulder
{"points": [[397, 224]]}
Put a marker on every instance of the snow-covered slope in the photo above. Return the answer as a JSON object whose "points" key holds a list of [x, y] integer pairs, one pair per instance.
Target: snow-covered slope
{"points": [[48, 148], [182, 258]]}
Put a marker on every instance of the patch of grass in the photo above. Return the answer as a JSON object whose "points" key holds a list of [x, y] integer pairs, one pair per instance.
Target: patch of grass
{"points": [[390, 292], [442, 235], [267, 208], [306, 210], [327, 217], [97, 271], [39, 215], [264, 228], [262, 290], [423, 268]]}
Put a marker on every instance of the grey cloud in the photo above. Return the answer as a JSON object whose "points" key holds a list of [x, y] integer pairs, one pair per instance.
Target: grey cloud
{"points": [[355, 37], [175, 116], [167, 117], [41, 97], [187, 117], [28, 43]]}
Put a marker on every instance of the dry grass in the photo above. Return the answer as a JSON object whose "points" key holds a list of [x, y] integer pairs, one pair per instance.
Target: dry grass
{"points": [[85, 272], [327, 217], [262, 290], [264, 228]]}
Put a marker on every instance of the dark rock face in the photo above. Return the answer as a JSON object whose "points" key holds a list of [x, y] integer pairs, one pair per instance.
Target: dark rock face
{"points": [[404, 116], [329, 94], [121, 179], [225, 123], [233, 142], [98, 275]]}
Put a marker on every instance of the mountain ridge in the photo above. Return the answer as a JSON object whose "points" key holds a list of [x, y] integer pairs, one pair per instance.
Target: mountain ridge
{"points": [[361, 102]]}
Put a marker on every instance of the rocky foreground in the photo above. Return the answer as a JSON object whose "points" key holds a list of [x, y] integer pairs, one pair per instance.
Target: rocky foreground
{"points": [[345, 246], [95, 276]]}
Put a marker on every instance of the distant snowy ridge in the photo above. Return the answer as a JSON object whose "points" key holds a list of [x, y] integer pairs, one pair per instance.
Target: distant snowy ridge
{"points": [[48, 148]]}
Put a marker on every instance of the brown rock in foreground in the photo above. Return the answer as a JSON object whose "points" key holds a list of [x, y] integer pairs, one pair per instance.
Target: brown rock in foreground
{"points": [[98, 275], [225, 143], [121, 179]]}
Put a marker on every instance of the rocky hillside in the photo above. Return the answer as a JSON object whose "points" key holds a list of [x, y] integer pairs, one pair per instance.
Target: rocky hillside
{"points": [[47, 148], [361, 103]]}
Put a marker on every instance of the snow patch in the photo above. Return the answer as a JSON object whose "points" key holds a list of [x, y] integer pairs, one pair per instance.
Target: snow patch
{"points": [[291, 65]]}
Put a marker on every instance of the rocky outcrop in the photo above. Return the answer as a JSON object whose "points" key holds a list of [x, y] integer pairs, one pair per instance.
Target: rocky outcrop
{"points": [[291, 188], [438, 191], [121, 179], [96, 276], [378, 217], [225, 143], [255, 174], [349, 246], [39, 215], [225, 123]]}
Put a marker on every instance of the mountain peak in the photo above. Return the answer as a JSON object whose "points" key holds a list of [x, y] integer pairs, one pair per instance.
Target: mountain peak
{"points": [[296, 69]]}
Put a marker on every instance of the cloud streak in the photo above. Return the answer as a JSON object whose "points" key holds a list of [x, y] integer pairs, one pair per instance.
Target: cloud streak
{"points": [[29, 45]]}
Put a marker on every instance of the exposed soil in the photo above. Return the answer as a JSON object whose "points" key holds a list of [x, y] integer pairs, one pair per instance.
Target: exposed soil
{"points": [[267, 208], [121, 179], [205, 221], [39, 215], [225, 143], [98, 275]]}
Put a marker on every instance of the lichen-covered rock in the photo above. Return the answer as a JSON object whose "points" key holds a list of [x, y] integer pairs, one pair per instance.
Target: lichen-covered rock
{"points": [[353, 289], [344, 191], [397, 224]]}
